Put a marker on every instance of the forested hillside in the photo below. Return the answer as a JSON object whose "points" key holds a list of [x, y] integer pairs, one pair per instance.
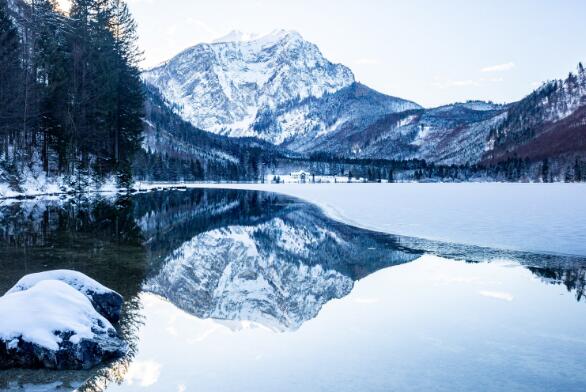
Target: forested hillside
{"points": [[71, 98], [173, 149], [548, 125]]}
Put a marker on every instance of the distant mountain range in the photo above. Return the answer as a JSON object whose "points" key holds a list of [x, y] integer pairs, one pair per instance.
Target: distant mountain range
{"points": [[280, 89]]}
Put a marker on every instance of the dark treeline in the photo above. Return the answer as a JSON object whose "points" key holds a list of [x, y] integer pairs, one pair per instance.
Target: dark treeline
{"points": [[258, 167], [381, 170], [71, 98]]}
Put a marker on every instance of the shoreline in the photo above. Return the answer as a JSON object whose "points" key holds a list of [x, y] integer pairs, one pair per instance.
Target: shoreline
{"points": [[526, 217], [148, 186]]}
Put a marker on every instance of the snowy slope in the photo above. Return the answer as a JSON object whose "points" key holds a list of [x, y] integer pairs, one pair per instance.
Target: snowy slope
{"points": [[451, 134], [298, 125]]}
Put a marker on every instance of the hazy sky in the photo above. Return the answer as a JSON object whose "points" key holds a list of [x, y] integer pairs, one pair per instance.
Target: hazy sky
{"points": [[433, 52]]}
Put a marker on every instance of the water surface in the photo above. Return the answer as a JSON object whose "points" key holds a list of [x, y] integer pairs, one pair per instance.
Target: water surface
{"points": [[242, 290]]}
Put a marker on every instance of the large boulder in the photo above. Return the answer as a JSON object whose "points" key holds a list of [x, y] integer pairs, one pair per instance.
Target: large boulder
{"points": [[52, 325], [107, 302]]}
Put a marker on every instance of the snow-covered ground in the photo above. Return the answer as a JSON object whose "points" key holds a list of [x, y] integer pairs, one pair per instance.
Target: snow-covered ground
{"points": [[38, 184], [549, 218]]}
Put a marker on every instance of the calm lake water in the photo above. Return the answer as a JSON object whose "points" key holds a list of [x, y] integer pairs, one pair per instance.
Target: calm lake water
{"points": [[249, 291]]}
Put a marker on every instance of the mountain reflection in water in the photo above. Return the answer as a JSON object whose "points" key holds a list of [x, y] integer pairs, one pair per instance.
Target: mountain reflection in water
{"points": [[231, 256]]}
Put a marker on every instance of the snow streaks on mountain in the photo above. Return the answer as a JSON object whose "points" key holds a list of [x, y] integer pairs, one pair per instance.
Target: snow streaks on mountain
{"points": [[222, 86]]}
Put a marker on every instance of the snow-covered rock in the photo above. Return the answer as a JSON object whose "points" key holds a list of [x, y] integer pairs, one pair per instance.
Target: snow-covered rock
{"points": [[107, 302], [52, 325]]}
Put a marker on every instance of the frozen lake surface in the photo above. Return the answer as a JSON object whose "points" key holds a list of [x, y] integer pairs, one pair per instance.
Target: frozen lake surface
{"points": [[544, 218]]}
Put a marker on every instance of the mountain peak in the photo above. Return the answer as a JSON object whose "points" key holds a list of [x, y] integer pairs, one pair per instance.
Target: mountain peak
{"points": [[279, 34], [237, 36]]}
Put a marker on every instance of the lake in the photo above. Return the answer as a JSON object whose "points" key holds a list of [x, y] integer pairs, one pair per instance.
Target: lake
{"points": [[236, 290]]}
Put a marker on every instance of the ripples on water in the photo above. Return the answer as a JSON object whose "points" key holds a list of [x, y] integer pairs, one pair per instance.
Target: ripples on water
{"points": [[240, 290]]}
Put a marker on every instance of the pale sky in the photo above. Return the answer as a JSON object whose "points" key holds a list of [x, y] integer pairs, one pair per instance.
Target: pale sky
{"points": [[430, 51]]}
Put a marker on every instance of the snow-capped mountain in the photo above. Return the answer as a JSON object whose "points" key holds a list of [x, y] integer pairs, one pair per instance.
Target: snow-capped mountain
{"points": [[277, 87], [281, 89], [222, 86]]}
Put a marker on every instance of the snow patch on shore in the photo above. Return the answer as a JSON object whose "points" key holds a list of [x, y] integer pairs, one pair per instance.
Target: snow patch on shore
{"points": [[31, 185]]}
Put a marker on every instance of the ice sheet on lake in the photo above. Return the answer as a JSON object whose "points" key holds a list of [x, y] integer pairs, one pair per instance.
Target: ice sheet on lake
{"points": [[542, 218]]}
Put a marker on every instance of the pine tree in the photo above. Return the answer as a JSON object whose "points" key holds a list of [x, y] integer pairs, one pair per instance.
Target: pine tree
{"points": [[130, 95], [82, 95], [51, 61], [582, 77], [11, 74], [545, 170]]}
